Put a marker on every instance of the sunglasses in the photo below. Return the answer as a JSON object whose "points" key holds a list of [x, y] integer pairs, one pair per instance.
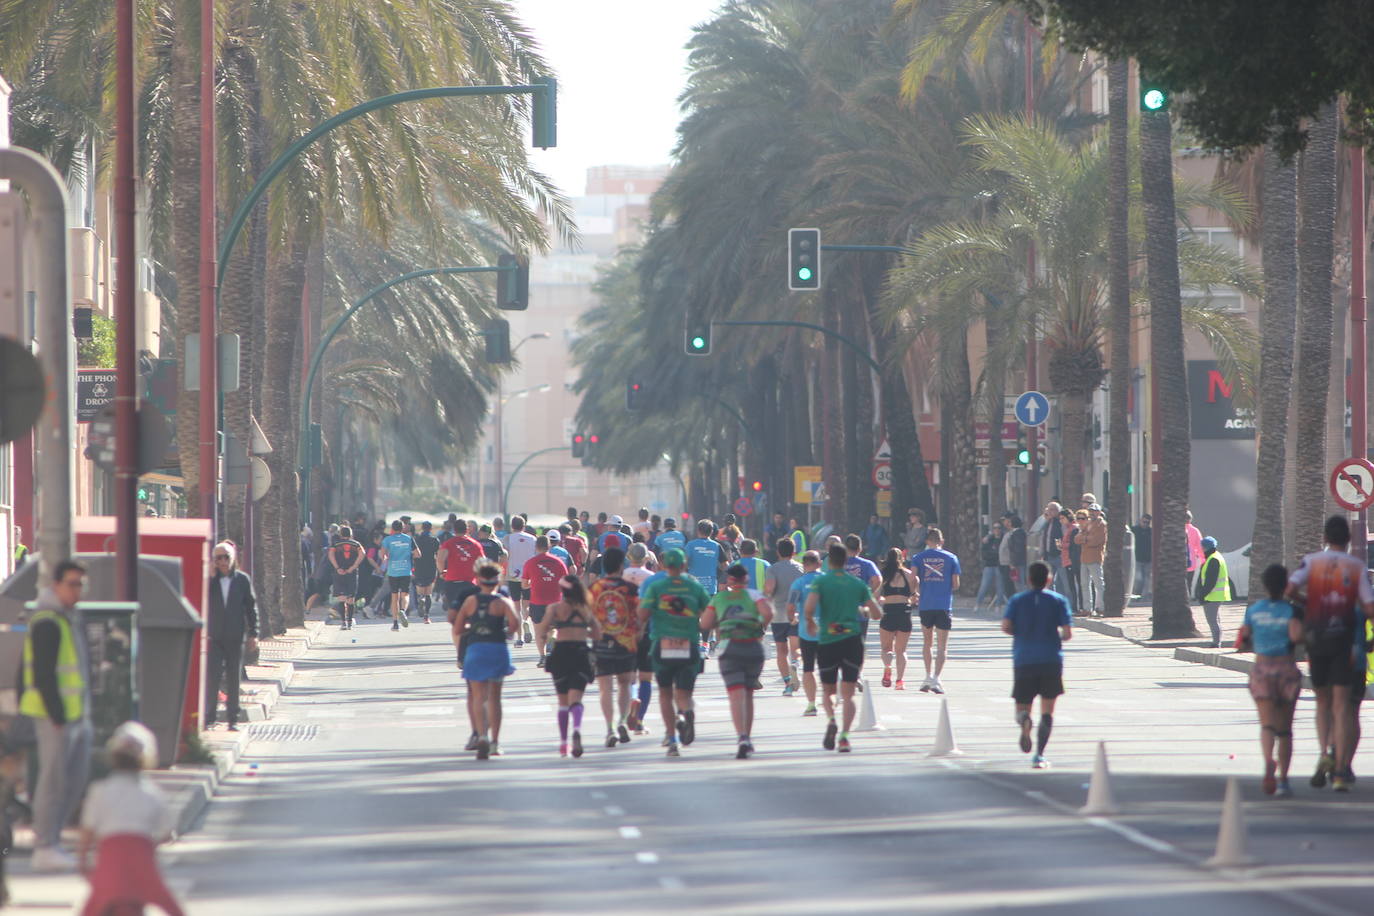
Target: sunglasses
{"points": [[1081, 518]]}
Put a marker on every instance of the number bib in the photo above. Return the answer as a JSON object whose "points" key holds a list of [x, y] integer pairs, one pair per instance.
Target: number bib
{"points": [[674, 648]]}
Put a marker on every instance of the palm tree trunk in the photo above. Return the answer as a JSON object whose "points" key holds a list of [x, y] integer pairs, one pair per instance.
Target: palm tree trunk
{"points": [[1277, 316], [910, 488], [185, 143], [859, 419], [1173, 616], [960, 523], [1073, 432], [832, 427], [994, 410], [1119, 293], [1317, 189]]}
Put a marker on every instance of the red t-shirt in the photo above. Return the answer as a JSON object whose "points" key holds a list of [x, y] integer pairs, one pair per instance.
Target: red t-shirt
{"points": [[460, 564], [576, 548], [543, 570]]}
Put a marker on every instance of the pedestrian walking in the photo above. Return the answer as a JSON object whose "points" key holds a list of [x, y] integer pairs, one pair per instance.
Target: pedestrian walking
{"points": [[1271, 628], [1195, 554], [1039, 623], [232, 622], [1092, 539], [740, 615], [914, 535], [1213, 587], [55, 695], [486, 619], [570, 660], [938, 572], [1144, 556], [989, 554]]}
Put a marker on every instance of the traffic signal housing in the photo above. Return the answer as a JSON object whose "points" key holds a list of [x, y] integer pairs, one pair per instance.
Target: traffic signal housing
{"points": [[497, 337], [634, 395], [579, 445], [513, 282], [804, 259], [544, 113], [1153, 97], [698, 339]]}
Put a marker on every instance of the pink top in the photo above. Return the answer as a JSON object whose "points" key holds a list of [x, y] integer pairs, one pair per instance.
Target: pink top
{"points": [[1194, 547]]}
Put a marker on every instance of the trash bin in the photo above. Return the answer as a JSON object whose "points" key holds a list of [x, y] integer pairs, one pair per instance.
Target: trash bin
{"points": [[166, 624]]}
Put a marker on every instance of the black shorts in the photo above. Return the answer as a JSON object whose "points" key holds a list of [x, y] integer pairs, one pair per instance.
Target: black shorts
{"points": [[680, 673], [517, 591], [781, 631], [614, 659], [940, 620], [455, 593], [1031, 681], [741, 664], [841, 660], [1335, 669], [424, 578], [346, 586], [642, 660], [808, 652], [896, 621], [537, 612], [399, 584], [570, 664]]}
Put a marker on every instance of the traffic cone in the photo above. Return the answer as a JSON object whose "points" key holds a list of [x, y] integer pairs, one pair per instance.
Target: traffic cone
{"points": [[1100, 800], [945, 745], [1231, 836], [868, 716]]}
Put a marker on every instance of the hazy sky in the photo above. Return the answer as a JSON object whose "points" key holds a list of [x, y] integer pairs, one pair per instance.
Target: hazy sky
{"points": [[620, 65]]}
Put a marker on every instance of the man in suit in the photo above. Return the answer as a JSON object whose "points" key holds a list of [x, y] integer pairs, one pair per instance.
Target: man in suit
{"points": [[233, 614]]}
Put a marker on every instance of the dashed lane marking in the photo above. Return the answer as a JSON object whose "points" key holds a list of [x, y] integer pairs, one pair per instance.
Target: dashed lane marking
{"points": [[630, 833]]}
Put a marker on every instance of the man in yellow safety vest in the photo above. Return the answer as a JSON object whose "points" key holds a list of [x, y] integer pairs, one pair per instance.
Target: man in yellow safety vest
{"points": [[1213, 587], [55, 696]]}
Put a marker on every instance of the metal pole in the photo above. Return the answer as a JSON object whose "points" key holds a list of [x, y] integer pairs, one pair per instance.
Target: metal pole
{"points": [[48, 205], [209, 345], [126, 285], [505, 493], [500, 415], [1032, 363], [1359, 437]]}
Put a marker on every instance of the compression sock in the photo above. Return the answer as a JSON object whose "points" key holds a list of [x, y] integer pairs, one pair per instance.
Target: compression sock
{"points": [[563, 723], [1042, 735], [576, 710], [646, 690]]}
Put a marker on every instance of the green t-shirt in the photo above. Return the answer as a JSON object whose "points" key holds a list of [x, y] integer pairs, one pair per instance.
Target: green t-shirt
{"points": [[675, 603], [840, 594], [737, 613]]}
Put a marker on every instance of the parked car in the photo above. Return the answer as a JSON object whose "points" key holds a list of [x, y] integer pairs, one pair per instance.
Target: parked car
{"points": [[1238, 565]]}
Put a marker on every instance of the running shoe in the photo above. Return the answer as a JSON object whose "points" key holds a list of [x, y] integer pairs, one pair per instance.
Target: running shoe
{"points": [[1350, 775], [831, 730], [576, 743], [563, 749], [887, 677], [472, 742], [483, 748], [1038, 762], [1024, 721], [495, 749], [672, 749], [632, 717], [936, 686], [624, 734], [1269, 784], [686, 727], [843, 745], [540, 663], [744, 750], [395, 626], [1324, 767], [925, 685], [789, 689], [899, 685], [611, 740], [667, 740], [519, 643], [426, 618], [1283, 790], [810, 710], [1339, 784], [405, 620]]}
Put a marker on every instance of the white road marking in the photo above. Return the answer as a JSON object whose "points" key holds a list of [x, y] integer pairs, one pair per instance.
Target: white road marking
{"points": [[670, 883], [331, 713], [428, 710], [646, 858], [630, 833], [614, 811], [598, 795]]}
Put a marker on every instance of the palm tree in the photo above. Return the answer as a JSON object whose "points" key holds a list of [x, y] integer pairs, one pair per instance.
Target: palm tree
{"points": [[1119, 296]]}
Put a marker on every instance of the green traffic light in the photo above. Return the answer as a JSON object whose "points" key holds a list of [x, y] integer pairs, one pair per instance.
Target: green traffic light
{"points": [[803, 273], [1023, 456], [698, 343], [1154, 99]]}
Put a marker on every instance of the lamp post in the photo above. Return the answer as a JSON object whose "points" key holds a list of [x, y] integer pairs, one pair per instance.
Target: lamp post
{"points": [[500, 422]]}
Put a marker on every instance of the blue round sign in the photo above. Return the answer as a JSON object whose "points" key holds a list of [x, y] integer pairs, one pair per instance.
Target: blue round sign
{"points": [[1032, 409]]}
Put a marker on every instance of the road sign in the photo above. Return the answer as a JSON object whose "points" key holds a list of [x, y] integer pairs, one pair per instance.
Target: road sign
{"points": [[1032, 409], [21, 389], [884, 504], [802, 477], [882, 476], [744, 507], [261, 477], [1352, 483], [884, 453], [94, 389]]}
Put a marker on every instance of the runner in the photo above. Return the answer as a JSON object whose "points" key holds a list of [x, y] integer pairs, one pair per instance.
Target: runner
{"points": [[556, 548], [899, 588], [575, 544], [802, 642], [539, 578], [613, 537], [643, 526], [570, 661], [426, 567], [705, 560], [457, 561], [1039, 622], [492, 548], [754, 565], [1336, 596], [520, 549], [938, 572], [488, 619], [637, 574], [777, 584], [615, 605], [741, 615], [1272, 626], [345, 556], [565, 544], [670, 538], [833, 604], [400, 552], [863, 569], [672, 606]]}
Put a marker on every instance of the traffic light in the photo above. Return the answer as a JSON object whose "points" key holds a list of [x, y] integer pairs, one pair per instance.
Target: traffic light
{"points": [[1153, 97], [498, 341], [758, 486], [544, 113], [513, 282], [698, 341], [83, 324], [579, 445], [804, 259], [1021, 458], [634, 395]]}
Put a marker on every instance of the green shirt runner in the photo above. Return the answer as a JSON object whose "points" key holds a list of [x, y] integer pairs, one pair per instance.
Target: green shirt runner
{"points": [[675, 605], [737, 614], [840, 596]]}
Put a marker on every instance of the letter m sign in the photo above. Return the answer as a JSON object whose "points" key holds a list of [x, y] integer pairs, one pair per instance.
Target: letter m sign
{"points": [[1216, 382]]}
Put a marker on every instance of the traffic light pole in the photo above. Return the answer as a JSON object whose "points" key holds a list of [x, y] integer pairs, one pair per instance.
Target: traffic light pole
{"points": [[861, 351], [303, 460], [505, 492]]}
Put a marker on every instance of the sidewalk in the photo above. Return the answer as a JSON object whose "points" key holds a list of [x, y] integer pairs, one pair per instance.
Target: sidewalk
{"points": [[189, 787]]}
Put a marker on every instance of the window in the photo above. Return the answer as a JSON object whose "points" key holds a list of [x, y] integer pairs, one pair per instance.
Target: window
{"points": [[1223, 298]]}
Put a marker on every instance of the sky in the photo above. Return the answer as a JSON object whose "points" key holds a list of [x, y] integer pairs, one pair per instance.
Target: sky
{"points": [[620, 65]]}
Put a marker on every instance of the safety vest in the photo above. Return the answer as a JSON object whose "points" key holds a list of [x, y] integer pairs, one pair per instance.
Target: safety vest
{"points": [[757, 570], [71, 684], [1221, 591], [798, 539]]}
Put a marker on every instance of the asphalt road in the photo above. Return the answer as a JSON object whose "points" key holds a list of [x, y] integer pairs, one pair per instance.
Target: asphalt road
{"points": [[361, 801]]}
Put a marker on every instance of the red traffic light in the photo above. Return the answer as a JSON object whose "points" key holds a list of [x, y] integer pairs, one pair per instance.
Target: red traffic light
{"points": [[578, 438], [634, 386], [686, 516], [758, 485], [595, 439]]}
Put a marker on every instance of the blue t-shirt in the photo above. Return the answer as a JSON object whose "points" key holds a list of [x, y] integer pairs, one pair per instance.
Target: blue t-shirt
{"points": [[398, 548], [703, 561], [757, 570], [667, 540], [1268, 623], [612, 539], [936, 569], [562, 555], [863, 569], [1036, 617], [797, 595]]}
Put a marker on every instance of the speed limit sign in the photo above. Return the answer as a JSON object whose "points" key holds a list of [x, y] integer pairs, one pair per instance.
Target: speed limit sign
{"points": [[882, 476]]}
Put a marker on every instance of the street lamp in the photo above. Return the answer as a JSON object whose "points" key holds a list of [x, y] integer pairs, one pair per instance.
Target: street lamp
{"points": [[500, 419]]}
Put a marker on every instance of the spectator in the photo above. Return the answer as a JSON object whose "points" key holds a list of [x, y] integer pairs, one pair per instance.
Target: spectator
{"points": [[875, 539], [914, 537], [21, 551], [1051, 533], [1144, 555], [1014, 575], [992, 573], [1195, 554], [1070, 554], [1213, 587], [1092, 537], [232, 616]]}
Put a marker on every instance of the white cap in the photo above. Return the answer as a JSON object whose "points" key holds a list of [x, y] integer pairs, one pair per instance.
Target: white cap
{"points": [[134, 738], [617, 520], [552, 535]]}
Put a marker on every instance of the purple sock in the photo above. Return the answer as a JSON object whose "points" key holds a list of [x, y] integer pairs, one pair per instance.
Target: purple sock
{"points": [[576, 710], [563, 723], [646, 690]]}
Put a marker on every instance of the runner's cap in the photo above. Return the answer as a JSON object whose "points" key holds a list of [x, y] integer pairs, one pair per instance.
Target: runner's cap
{"points": [[674, 558]]}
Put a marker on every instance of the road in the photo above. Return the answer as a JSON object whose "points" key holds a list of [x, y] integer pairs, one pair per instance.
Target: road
{"points": [[358, 800]]}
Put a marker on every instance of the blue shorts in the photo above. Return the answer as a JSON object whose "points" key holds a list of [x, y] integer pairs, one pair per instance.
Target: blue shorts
{"points": [[487, 661]]}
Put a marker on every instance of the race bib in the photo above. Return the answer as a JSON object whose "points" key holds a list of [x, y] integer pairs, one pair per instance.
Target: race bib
{"points": [[670, 647]]}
